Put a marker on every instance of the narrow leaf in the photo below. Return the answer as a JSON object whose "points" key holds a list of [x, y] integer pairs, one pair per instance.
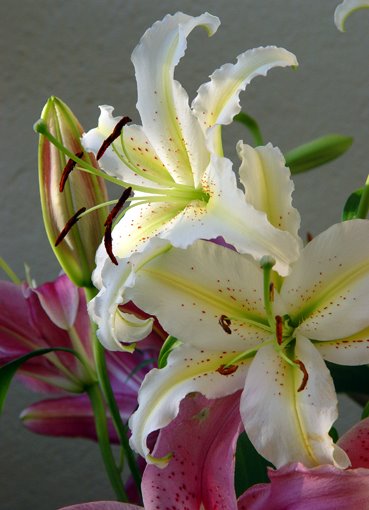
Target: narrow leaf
{"points": [[317, 152], [170, 343], [8, 370], [252, 126], [351, 207]]}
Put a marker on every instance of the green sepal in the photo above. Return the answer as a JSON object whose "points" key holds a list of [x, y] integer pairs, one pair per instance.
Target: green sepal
{"points": [[170, 343], [8, 370], [251, 125], [317, 152], [351, 207], [251, 467]]}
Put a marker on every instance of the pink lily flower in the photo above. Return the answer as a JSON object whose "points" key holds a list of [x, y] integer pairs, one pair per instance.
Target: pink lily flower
{"points": [[55, 315], [200, 473], [324, 487]]}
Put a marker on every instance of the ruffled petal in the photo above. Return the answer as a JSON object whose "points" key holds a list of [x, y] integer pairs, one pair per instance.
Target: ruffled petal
{"points": [[188, 370], [217, 101], [231, 216], [327, 290], [299, 488], [284, 424], [268, 185], [345, 9], [190, 290], [166, 117], [201, 471]]}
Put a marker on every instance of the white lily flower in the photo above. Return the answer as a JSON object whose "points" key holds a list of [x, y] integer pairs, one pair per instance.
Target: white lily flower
{"points": [[236, 335], [184, 189], [345, 9]]}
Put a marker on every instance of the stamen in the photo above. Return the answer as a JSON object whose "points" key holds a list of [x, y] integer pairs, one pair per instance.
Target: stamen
{"points": [[113, 136], [67, 170], [225, 322], [305, 374], [108, 241], [70, 223], [227, 369], [279, 329]]}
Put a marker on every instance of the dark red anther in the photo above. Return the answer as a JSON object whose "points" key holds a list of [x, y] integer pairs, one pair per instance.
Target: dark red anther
{"points": [[113, 136], [227, 370], [279, 329], [225, 322], [271, 292], [305, 374], [72, 221], [309, 237], [108, 241], [67, 170]]}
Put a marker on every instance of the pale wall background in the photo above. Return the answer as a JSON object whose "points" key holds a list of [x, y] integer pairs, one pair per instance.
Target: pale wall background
{"points": [[80, 51]]}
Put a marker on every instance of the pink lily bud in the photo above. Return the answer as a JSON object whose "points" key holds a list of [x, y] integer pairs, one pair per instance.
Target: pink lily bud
{"points": [[65, 192]]}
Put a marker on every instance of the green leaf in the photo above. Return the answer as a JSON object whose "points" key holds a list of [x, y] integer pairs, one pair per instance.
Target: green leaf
{"points": [[251, 467], [365, 412], [334, 434], [351, 208], [170, 343], [8, 370], [317, 152], [251, 125]]}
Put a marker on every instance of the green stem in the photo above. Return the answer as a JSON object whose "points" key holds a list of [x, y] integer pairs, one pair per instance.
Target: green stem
{"points": [[103, 437], [107, 390], [362, 210]]}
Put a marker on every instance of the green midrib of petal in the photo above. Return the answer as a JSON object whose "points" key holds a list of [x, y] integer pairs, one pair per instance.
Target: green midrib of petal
{"points": [[330, 291], [199, 292], [300, 422]]}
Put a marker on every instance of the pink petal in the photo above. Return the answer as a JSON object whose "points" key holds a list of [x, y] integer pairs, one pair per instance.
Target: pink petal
{"points": [[295, 487], [60, 300], [103, 505], [71, 416], [356, 444], [202, 439]]}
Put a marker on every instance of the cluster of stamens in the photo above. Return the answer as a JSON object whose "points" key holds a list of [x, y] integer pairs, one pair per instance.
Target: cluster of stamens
{"points": [[170, 191], [281, 326]]}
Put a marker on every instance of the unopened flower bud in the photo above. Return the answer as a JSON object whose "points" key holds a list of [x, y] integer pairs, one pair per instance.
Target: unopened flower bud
{"points": [[65, 190]]}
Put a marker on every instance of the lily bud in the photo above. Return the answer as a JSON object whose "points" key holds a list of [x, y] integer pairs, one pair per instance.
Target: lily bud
{"points": [[317, 152], [76, 254]]}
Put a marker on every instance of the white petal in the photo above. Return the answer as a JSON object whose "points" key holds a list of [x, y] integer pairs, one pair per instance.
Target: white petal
{"points": [[352, 350], [344, 9], [163, 104], [328, 286], [137, 152], [268, 185], [217, 101], [286, 425], [189, 290], [114, 330], [239, 223], [188, 370]]}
